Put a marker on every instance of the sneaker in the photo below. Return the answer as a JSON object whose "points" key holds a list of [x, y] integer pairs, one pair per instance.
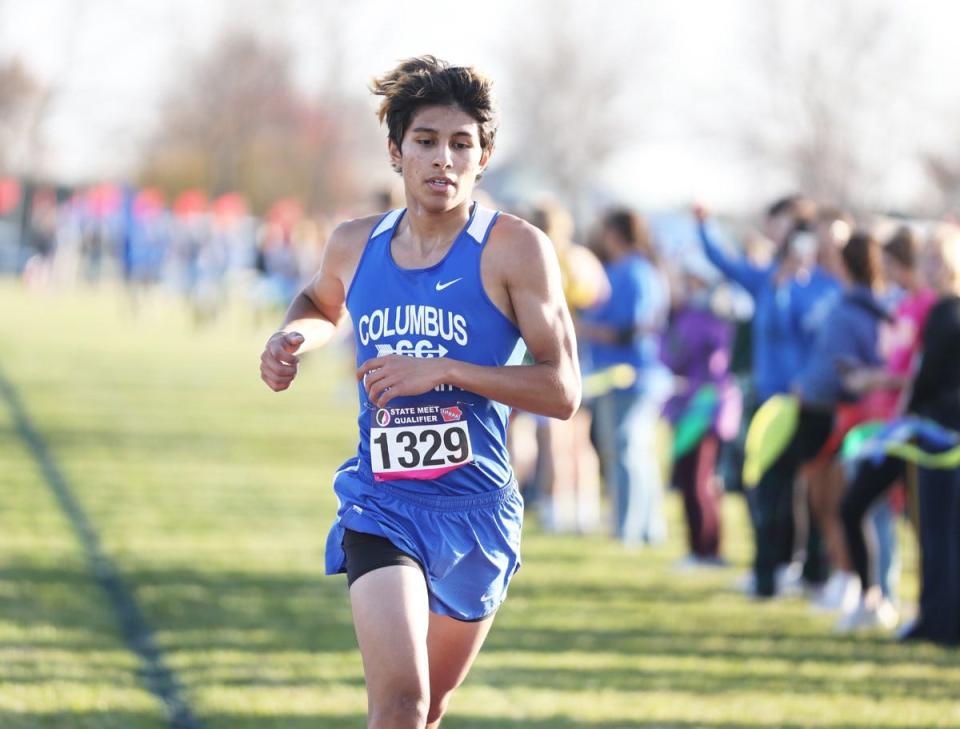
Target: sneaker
{"points": [[882, 615], [745, 584], [713, 562], [694, 562], [686, 564], [789, 580], [842, 592], [830, 594]]}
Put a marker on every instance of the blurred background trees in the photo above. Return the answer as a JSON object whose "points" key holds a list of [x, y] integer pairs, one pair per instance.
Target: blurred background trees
{"points": [[646, 102], [19, 95], [826, 115], [571, 97], [234, 122]]}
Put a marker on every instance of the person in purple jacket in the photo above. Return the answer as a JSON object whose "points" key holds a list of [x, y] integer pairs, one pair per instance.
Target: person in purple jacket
{"points": [[697, 349]]}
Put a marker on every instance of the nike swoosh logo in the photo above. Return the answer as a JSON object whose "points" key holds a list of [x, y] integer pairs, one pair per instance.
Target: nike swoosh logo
{"points": [[442, 286]]}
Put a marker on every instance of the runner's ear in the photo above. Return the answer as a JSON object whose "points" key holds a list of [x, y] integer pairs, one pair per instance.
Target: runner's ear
{"points": [[484, 161], [396, 156]]}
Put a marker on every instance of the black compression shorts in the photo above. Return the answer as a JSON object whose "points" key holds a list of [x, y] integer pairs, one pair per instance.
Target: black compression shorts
{"points": [[368, 552]]}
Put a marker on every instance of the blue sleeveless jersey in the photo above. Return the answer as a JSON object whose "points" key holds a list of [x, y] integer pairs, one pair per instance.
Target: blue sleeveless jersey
{"points": [[445, 442]]}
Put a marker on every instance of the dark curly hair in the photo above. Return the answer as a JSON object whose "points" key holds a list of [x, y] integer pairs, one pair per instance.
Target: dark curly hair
{"points": [[428, 81]]}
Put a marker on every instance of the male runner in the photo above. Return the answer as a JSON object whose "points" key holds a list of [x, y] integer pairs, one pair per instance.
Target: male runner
{"points": [[441, 294]]}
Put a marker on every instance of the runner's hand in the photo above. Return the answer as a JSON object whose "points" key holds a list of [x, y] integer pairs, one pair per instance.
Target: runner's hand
{"points": [[397, 375], [700, 212], [278, 363]]}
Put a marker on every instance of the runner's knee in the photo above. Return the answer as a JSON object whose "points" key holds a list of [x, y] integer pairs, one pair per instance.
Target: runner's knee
{"points": [[438, 706], [402, 704]]}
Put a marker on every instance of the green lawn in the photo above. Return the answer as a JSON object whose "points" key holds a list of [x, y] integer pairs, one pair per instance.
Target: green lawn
{"points": [[211, 496]]}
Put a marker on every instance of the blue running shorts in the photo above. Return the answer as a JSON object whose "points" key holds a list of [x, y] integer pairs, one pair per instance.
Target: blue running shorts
{"points": [[469, 545]]}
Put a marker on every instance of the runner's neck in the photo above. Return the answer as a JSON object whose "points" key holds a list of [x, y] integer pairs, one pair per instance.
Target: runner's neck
{"points": [[423, 235]]}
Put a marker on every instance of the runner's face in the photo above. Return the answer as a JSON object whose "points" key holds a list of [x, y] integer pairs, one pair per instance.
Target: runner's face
{"points": [[440, 157]]}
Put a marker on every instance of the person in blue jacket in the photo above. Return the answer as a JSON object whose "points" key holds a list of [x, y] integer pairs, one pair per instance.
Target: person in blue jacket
{"points": [[849, 340], [785, 293], [626, 330]]}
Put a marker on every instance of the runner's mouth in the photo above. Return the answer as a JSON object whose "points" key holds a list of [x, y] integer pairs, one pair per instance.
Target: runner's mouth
{"points": [[441, 184]]}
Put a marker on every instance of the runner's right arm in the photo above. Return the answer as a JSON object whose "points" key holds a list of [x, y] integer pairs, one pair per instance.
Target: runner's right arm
{"points": [[318, 309]]}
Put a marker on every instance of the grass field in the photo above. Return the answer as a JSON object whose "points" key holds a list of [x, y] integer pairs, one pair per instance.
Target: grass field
{"points": [[210, 497]]}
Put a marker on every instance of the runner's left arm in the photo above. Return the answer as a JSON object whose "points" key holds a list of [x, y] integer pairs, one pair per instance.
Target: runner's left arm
{"points": [[550, 386]]}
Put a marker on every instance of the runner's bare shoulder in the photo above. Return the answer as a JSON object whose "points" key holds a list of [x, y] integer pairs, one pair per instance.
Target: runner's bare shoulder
{"points": [[518, 263], [514, 240], [345, 247]]}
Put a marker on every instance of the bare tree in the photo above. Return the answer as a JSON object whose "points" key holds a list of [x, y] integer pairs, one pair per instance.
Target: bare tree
{"points": [[19, 93], [825, 74], [235, 122], [943, 171], [570, 84], [38, 103]]}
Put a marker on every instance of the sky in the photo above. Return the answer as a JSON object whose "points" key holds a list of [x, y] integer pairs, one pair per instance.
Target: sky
{"points": [[111, 63]]}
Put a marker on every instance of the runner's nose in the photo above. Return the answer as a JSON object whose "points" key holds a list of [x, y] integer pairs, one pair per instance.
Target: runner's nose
{"points": [[444, 157]]}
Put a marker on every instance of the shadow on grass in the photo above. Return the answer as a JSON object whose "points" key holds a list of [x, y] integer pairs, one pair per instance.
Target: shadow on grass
{"points": [[559, 722], [196, 612], [81, 720], [708, 641], [133, 720], [688, 680], [60, 600], [191, 609], [298, 611]]}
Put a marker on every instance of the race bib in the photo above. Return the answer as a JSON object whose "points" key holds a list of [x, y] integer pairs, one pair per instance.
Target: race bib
{"points": [[421, 441]]}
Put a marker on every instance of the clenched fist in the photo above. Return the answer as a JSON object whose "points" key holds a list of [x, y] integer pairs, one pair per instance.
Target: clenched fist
{"points": [[278, 363]]}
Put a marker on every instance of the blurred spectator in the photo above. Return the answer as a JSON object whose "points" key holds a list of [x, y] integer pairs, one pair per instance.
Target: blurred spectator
{"points": [[568, 497], [276, 264], [784, 291], [626, 330], [936, 395], [900, 344], [849, 340], [697, 348], [42, 238]]}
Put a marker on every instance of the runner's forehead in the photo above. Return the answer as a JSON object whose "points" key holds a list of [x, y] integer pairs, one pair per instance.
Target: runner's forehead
{"points": [[450, 120]]}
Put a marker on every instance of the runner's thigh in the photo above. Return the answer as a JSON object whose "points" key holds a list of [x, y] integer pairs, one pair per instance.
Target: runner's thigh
{"points": [[390, 616]]}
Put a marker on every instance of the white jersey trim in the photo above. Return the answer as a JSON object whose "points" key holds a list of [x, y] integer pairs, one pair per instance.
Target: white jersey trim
{"points": [[387, 223], [482, 219]]}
